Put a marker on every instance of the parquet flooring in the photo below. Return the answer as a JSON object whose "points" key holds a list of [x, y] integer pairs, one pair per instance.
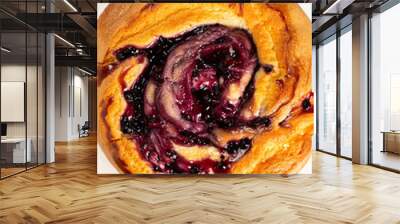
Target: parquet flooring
{"points": [[10, 171], [69, 191]]}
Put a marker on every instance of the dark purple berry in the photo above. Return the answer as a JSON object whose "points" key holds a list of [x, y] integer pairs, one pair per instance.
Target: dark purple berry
{"points": [[133, 125], [157, 168], [194, 169], [260, 122], [306, 104], [235, 146], [222, 166], [194, 139], [225, 123], [171, 154], [186, 116], [127, 52]]}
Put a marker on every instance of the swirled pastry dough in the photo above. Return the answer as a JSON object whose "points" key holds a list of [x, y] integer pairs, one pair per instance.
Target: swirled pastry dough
{"points": [[205, 88]]}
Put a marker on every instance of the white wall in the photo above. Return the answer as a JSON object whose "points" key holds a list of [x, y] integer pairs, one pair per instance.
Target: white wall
{"points": [[16, 73], [9, 73], [61, 103], [71, 102], [80, 103]]}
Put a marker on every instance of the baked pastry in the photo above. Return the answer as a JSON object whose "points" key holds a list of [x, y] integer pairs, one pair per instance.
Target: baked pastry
{"points": [[205, 88]]}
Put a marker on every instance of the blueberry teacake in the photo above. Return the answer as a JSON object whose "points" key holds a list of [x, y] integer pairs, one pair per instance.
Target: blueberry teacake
{"points": [[205, 88]]}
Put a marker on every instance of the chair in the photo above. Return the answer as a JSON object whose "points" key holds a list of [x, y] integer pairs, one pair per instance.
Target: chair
{"points": [[84, 129]]}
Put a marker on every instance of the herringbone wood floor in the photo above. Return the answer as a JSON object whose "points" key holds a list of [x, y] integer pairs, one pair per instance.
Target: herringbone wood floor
{"points": [[69, 191]]}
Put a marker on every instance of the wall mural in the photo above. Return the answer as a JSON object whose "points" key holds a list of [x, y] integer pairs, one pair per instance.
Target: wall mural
{"points": [[204, 88]]}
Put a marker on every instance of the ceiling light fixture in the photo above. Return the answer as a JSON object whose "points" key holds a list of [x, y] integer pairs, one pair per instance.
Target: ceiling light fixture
{"points": [[5, 50], [64, 40], [84, 71], [337, 7], [70, 5]]}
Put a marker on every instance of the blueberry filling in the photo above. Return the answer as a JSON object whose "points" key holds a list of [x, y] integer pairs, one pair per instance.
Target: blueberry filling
{"points": [[125, 53], [185, 91], [260, 122], [238, 148], [194, 169], [306, 104], [190, 138]]}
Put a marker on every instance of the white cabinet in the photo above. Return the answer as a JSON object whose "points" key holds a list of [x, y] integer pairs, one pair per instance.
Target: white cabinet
{"points": [[16, 147]]}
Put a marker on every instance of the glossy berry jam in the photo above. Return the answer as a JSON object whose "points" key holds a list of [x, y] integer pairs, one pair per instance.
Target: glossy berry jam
{"points": [[235, 147], [183, 94], [307, 106]]}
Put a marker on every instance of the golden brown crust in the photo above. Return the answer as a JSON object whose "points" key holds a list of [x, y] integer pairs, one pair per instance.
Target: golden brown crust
{"points": [[282, 35]]}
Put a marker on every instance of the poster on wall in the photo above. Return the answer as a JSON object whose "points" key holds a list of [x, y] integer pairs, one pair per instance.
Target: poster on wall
{"points": [[204, 88]]}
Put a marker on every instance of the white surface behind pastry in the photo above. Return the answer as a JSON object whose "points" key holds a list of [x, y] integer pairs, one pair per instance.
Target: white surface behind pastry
{"points": [[105, 167], [100, 8], [305, 6], [103, 164]]}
